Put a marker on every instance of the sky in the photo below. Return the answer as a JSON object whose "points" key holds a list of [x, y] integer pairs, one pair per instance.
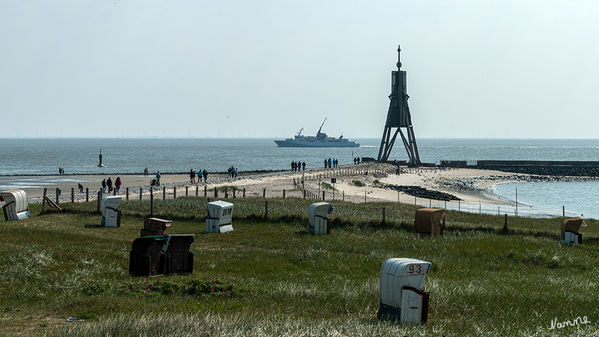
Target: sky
{"points": [[164, 68]]}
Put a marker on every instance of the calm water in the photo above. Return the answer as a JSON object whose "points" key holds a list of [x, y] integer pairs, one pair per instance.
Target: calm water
{"points": [[44, 156], [547, 198]]}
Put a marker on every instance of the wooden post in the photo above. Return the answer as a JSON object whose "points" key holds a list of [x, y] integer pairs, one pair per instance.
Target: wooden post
{"points": [[343, 195], [505, 224], [234, 192], [283, 193], [87, 194], [459, 205], [174, 192], [226, 193], [163, 193], [197, 190], [480, 208], [140, 193], [57, 195], [186, 191], [215, 192], [99, 199], [72, 195], [114, 191], [44, 200], [264, 193], [304, 194], [364, 196], [127, 193], [205, 191], [266, 209], [151, 201], [383, 214], [323, 195], [244, 192]]}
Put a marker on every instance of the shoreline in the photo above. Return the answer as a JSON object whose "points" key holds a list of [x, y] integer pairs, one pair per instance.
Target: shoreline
{"points": [[475, 188]]}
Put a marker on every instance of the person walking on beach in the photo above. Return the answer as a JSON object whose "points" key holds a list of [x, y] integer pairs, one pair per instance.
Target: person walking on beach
{"points": [[330, 162], [117, 184], [192, 176], [205, 174], [80, 188], [303, 166], [109, 184], [103, 185], [158, 178], [199, 176]]}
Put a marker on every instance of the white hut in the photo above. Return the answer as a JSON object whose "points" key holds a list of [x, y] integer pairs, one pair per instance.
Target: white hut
{"points": [[401, 295], [317, 215], [111, 217], [14, 204], [220, 217]]}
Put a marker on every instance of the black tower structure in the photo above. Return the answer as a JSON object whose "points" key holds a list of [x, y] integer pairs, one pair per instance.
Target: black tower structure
{"points": [[399, 117]]}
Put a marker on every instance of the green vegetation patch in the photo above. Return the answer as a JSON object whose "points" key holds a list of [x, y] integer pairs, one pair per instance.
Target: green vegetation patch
{"points": [[358, 183]]}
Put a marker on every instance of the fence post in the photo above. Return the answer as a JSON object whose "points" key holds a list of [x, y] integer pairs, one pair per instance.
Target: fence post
{"points": [[343, 195], [323, 195], [264, 193], [283, 193], [174, 192], [244, 192], [383, 214], [151, 201], [226, 193], [364, 196], [215, 192], [186, 191], [98, 201], [140, 195], [114, 191], [87, 194], [72, 195], [234, 188], [163, 193], [127, 193], [57, 195], [304, 194], [205, 191], [505, 224], [266, 209], [197, 190]]}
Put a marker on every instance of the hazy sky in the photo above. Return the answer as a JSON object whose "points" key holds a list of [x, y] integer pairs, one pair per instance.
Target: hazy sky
{"points": [[127, 68]]}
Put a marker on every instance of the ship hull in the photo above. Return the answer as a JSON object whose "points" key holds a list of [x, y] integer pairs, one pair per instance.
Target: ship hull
{"points": [[286, 143]]}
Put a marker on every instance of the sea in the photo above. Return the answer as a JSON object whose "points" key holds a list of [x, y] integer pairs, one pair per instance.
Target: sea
{"points": [[43, 157]]}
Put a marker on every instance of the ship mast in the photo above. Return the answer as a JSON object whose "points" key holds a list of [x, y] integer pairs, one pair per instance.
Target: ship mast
{"points": [[320, 128]]}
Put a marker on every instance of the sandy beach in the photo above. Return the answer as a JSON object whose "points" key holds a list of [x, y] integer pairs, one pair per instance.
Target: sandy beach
{"points": [[355, 183]]}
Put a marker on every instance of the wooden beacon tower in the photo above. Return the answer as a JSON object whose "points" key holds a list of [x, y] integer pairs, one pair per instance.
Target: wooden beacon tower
{"points": [[399, 117]]}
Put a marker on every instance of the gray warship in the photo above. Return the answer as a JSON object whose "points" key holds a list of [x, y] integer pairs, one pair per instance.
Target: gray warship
{"points": [[321, 140]]}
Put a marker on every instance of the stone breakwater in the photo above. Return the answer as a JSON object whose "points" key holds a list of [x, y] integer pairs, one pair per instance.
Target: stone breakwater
{"points": [[421, 192]]}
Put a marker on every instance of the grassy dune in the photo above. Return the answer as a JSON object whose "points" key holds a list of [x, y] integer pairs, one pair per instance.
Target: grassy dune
{"points": [[270, 278]]}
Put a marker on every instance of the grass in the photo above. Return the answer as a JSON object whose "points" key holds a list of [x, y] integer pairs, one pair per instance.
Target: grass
{"points": [[358, 183], [327, 186], [282, 281]]}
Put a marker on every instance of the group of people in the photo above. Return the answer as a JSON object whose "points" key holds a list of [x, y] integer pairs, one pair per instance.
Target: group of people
{"points": [[232, 172], [107, 183], [297, 166], [60, 171], [356, 160], [201, 174], [331, 163]]}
